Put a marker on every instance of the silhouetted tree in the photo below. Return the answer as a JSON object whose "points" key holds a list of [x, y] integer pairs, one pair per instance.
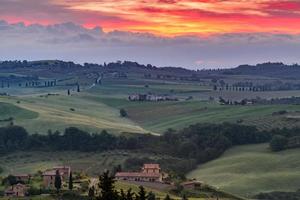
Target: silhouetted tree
{"points": [[123, 112], [107, 188], [57, 181], [151, 196], [142, 194], [71, 181]]}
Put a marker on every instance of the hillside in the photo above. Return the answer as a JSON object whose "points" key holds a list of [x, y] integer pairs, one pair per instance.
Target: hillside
{"points": [[251, 169]]}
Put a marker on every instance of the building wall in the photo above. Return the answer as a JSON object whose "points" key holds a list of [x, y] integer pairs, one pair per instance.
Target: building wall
{"points": [[48, 181], [146, 179]]}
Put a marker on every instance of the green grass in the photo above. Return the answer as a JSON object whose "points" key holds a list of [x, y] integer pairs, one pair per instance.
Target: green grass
{"points": [[54, 112], [95, 111], [90, 163], [251, 169], [8, 110]]}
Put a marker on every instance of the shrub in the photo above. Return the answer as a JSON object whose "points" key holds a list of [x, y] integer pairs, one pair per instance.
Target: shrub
{"points": [[278, 143], [123, 112]]}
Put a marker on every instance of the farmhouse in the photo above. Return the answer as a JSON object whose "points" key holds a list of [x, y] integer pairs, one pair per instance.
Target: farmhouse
{"points": [[22, 177], [64, 170], [192, 185], [49, 178], [18, 190], [150, 97], [149, 173]]}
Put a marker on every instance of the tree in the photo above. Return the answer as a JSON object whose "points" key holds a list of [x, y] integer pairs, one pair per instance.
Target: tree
{"points": [[123, 195], [142, 194], [151, 196], [10, 180], [278, 143], [71, 181], [57, 181], [123, 112], [106, 186], [129, 195], [167, 197], [184, 197], [91, 192]]}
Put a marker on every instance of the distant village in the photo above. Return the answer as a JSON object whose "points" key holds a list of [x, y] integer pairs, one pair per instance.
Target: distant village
{"points": [[151, 97]]}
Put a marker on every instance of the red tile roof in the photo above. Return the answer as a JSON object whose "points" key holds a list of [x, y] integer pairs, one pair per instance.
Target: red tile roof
{"points": [[22, 175], [137, 174], [51, 173], [151, 166]]}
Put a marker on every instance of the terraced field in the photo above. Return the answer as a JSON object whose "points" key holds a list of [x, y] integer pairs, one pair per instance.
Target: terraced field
{"points": [[251, 169]]}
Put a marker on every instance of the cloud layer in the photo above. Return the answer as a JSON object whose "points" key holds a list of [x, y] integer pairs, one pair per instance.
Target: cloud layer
{"points": [[163, 17], [69, 41]]}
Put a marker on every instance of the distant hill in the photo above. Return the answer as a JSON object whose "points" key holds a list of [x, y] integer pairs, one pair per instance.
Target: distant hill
{"points": [[278, 70], [57, 67]]}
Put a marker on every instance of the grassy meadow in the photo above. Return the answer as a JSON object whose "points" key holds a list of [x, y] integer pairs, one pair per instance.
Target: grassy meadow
{"points": [[251, 169], [97, 108]]}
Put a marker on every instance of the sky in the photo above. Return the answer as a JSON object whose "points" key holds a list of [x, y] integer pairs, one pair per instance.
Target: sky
{"points": [[185, 33]]}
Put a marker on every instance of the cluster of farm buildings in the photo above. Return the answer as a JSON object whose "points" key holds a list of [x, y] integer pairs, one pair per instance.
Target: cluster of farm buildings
{"points": [[151, 173], [20, 189], [150, 97]]}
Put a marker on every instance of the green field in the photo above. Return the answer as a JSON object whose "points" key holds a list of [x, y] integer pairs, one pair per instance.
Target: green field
{"points": [[91, 163], [97, 108], [251, 169]]}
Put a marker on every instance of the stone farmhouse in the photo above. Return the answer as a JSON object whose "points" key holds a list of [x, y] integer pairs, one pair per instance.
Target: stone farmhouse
{"points": [[192, 185], [65, 170], [150, 97], [149, 173], [25, 178], [18, 190], [49, 175]]}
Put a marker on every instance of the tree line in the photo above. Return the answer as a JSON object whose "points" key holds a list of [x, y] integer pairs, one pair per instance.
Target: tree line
{"points": [[197, 143]]}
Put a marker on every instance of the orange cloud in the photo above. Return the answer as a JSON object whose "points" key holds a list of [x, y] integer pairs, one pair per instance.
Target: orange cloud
{"points": [[165, 17]]}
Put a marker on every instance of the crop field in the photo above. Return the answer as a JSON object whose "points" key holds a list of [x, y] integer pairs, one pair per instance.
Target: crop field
{"points": [[97, 108], [251, 169]]}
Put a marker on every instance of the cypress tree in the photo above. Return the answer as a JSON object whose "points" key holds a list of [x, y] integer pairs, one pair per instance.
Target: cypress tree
{"points": [[71, 181], [167, 197], [91, 192], [142, 194], [107, 188], [151, 196], [184, 197], [57, 181], [129, 195]]}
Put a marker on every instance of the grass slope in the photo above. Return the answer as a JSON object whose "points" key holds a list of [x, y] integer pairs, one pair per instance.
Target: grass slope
{"points": [[251, 169], [54, 112]]}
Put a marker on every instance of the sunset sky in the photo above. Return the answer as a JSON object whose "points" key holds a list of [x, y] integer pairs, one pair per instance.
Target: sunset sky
{"points": [[164, 17], [224, 24]]}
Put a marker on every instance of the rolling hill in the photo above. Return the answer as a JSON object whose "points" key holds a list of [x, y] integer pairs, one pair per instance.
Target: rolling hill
{"points": [[251, 169]]}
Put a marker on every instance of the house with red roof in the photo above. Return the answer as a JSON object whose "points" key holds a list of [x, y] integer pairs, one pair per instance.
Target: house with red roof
{"points": [[149, 173]]}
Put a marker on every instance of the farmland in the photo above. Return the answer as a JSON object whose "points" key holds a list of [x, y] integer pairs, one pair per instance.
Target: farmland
{"points": [[78, 101], [97, 108], [251, 169]]}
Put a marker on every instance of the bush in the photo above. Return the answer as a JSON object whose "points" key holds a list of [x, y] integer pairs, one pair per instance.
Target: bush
{"points": [[123, 112], [72, 195], [34, 191], [278, 143]]}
